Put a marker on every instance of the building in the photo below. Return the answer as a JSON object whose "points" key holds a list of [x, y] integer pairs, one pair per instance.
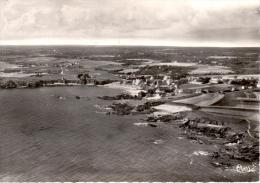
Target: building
{"points": [[258, 84], [215, 80]]}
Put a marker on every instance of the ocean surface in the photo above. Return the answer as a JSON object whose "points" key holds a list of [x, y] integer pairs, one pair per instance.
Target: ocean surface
{"points": [[47, 134]]}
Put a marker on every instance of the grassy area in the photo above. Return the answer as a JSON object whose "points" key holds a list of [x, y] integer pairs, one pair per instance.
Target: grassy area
{"points": [[173, 71], [202, 100]]}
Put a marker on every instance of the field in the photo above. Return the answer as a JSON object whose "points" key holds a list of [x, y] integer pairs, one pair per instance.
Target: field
{"points": [[46, 59], [202, 100]]}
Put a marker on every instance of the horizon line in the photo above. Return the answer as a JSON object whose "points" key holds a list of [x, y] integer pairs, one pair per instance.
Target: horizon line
{"points": [[137, 45], [127, 42], [130, 45]]}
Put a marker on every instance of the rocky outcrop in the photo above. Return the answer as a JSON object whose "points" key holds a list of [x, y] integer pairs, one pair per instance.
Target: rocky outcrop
{"points": [[208, 129], [239, 146], [126, 109], [103, 82], [121, 108], [233, 146], [124, 96], [147, 106], [162, 118]]}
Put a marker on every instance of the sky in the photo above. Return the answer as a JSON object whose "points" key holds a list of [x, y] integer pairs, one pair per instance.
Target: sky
{"points": [[131, 22]]}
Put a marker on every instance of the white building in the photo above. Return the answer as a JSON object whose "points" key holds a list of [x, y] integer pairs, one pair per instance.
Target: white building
{"points": [[258, 84], [137, 82], [215, 80]]}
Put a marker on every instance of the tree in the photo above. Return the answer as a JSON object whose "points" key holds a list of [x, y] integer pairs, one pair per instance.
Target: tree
{"points": [[9, 84], [83, 77]]}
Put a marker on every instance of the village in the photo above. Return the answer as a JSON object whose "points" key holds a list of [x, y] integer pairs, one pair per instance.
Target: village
{"points": [[166, 101], [163, 85]]}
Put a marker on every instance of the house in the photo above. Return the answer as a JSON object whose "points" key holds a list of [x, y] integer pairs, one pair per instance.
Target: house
{"points": [[258, 84], [137, 82], [198, 90], [169, 81], [215, 80], [195, 82], [151, 78], [178, 91]]}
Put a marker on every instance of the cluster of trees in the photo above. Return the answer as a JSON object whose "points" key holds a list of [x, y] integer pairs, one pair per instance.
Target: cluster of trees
{"points": [[30, 84], [245, 82], [204, 80], [84, 78], [103, 82], [174, 72], [8, 84]]}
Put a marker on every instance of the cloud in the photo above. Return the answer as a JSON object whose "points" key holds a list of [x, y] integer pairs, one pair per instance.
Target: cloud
{"points": [[170, 20]]}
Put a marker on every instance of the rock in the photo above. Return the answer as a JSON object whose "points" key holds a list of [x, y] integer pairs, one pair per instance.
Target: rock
{"points": [[159, 141], [104, 82], [61, 98], [119, 97], [141, 124], [194, 138], [184, 123], [152, 125], [121, 108], [208, 128], [163, 118], [151, 119], [148, 105], [234, 137], [246, 149]]}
